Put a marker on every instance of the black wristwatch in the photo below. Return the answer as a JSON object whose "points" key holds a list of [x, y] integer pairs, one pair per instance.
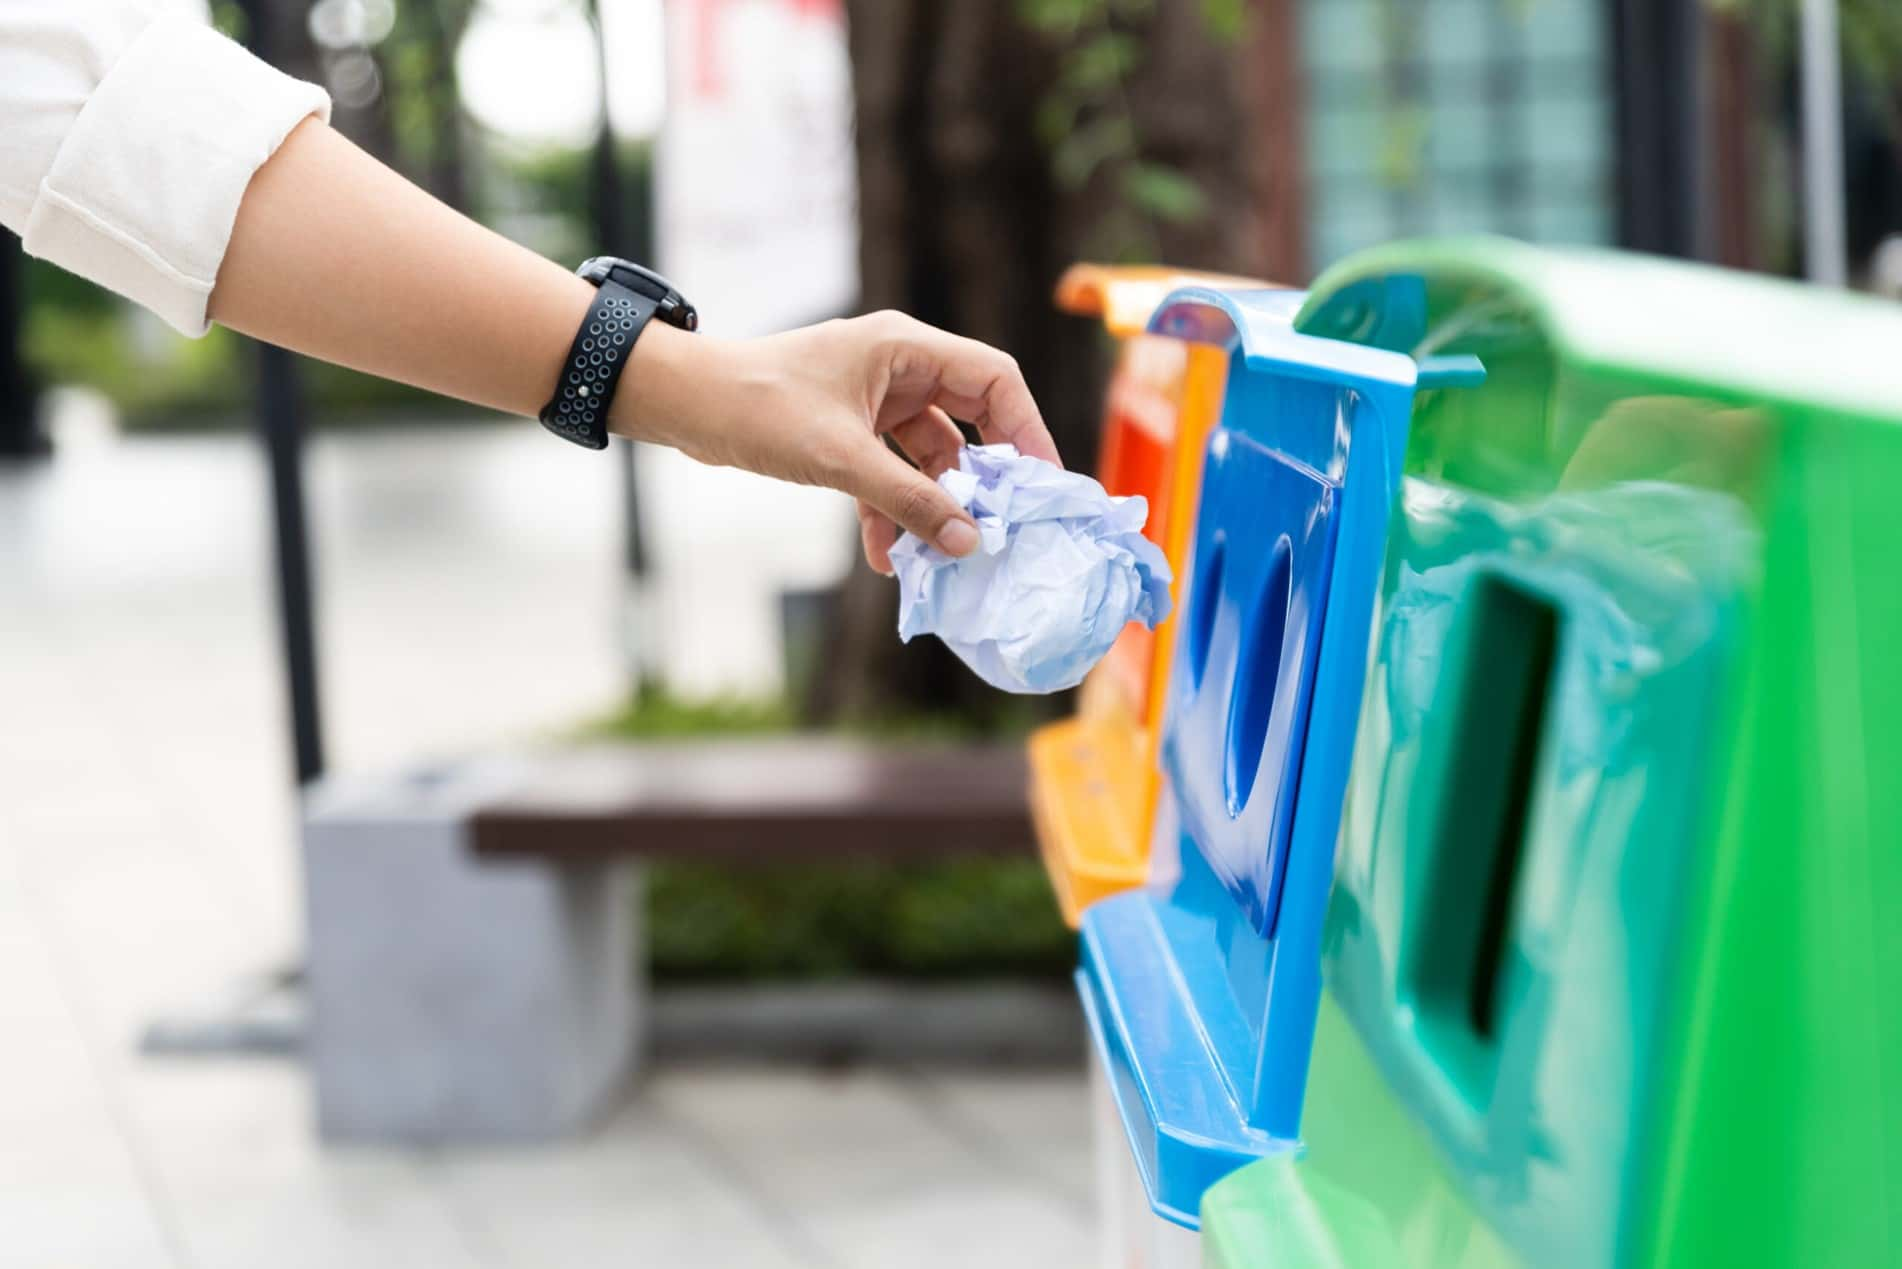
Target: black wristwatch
{"points": [[626, 298]]}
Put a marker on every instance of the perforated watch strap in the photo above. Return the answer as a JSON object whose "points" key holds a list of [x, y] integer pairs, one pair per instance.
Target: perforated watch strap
{"points": [[579, 409]]}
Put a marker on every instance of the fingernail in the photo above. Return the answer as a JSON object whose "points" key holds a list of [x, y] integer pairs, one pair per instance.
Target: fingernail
{"points": [[957, 537]]}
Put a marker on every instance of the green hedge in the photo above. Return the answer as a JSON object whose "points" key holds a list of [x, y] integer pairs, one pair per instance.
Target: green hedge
{"points": [[977, 917], [959, 918], [162, 381]]}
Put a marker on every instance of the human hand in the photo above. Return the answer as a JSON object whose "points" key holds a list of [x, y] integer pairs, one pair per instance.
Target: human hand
{"points": [[813, 406]]}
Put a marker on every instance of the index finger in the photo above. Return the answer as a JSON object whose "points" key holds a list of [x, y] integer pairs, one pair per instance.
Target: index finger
{"points": [[983, 386]]}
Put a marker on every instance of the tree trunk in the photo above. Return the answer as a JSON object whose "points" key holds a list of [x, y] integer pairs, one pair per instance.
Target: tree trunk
{"points": [[436, 26], [963, 225], [1736, 141], [1277, 97], [283, 28]]}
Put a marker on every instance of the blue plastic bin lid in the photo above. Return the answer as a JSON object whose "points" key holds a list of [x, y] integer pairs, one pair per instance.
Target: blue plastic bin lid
{"points": [[1203, 1001]]}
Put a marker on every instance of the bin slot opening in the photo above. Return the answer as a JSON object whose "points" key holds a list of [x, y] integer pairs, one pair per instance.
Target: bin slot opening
{"points": [[1205, 600], [1258, 676], [1490, 758], [1526, 666]]}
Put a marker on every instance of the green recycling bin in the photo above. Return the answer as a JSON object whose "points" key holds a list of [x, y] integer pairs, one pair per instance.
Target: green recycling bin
{"points": [[1612, 969]]}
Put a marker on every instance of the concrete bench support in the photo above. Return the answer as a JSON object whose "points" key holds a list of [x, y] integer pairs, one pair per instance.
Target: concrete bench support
{"points": [[476, 973], [453, 999]]}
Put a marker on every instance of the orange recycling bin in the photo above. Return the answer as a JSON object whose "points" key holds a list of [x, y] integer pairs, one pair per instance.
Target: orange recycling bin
{"points": [[1093, 777]]}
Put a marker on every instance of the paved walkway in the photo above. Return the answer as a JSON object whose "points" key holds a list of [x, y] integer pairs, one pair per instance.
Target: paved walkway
{"points": [[146, 860]]}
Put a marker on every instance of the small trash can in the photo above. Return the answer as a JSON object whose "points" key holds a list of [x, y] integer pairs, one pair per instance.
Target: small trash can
{"points": [[1093, 776], [1612, 971], [1201, 991]]}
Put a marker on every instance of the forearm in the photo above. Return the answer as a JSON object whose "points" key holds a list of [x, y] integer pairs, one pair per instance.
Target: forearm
{"points": [[336, 256]]}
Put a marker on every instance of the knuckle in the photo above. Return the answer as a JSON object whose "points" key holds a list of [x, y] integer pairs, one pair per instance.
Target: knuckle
{"points": [[1007, 373]]}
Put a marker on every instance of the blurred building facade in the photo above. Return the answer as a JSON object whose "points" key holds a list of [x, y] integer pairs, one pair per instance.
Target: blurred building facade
{"points": [[1458, 116]]}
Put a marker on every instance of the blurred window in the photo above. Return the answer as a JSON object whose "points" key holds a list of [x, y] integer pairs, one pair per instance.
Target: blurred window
{"points": [[1457, 116]]}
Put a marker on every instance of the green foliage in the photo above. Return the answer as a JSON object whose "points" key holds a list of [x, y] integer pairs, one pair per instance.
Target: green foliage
{"points": [[975, 917], [1086, 149], [655, 713], [79, 335], [409, 67], [1087, 125], [1870, 31], [49, 286], [418, 60], [1225, 18], [1104, 61], [972, 917], [228, 17], [86, 340], [76, 335], [1063, 17], [1163, 192], [1872, 46]]}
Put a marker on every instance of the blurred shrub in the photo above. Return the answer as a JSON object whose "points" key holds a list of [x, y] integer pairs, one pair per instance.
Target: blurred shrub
{"points": [[95, 347], [978, 917], [78, 335], [1088, 121], [656, 713], [160, 380]]}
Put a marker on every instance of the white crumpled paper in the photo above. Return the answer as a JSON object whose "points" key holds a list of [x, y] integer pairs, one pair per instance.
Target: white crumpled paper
{"points": [[1061, 567]]}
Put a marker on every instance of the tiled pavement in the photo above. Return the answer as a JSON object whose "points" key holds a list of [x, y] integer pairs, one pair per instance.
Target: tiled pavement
{"points": [[146, 862]]}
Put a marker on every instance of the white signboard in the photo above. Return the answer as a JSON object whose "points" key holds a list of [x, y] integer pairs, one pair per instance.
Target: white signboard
{"points": [[756, 195], [756, 185]]}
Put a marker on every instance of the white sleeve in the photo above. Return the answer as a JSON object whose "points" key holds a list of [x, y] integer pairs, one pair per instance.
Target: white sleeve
{"points": [[128, 135]]}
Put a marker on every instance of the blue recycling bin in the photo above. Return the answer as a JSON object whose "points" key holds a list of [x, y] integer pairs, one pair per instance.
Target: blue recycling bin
{"points": [[1201, 992]]}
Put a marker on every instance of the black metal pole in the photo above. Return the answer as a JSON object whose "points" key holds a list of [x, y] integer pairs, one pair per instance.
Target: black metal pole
{"points": [[608, 211], [280, 424], [1657, 73], [615, 233], [268, 1017], [20, 434]]}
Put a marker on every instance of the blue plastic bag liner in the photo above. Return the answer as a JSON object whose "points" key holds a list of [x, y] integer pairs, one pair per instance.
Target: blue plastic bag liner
{"points": [[1060, 568]]}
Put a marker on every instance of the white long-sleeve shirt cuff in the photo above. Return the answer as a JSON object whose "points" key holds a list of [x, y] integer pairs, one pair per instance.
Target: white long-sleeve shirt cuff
{"points": [[144, 190]]}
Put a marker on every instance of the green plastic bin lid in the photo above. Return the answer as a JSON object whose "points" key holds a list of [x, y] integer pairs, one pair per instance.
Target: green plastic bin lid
{"points": [[1730, 334]]}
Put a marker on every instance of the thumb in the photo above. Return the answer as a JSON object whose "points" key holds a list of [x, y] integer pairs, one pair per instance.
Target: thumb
{"points": [[900, 491]]}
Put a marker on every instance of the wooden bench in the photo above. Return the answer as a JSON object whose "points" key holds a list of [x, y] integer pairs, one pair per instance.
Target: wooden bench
{"points": [[473, 935], [818, 796]]}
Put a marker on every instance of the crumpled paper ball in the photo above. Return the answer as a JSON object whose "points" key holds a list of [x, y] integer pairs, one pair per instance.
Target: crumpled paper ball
{"points": [[1060, 568]]}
